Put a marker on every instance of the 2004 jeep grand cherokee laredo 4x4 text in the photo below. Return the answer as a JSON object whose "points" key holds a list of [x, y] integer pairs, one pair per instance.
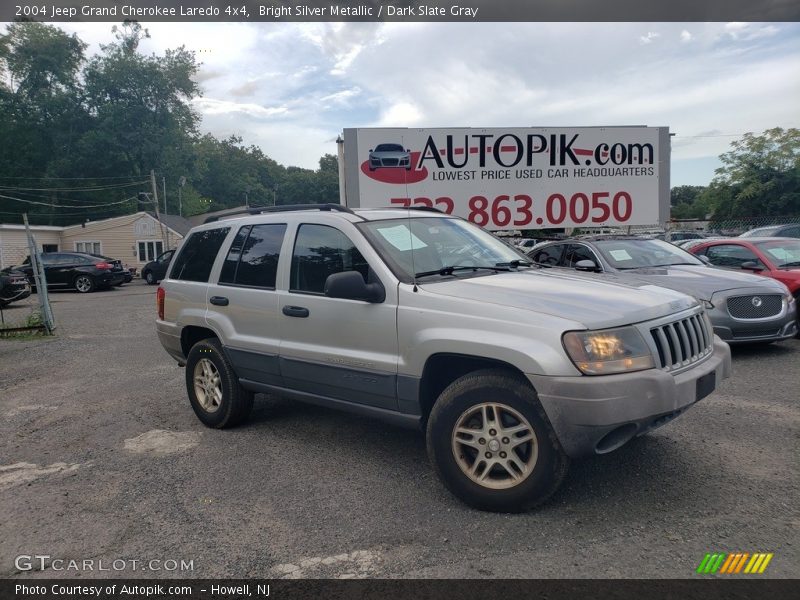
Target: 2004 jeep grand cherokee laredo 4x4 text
{"points": [[426, 320]]}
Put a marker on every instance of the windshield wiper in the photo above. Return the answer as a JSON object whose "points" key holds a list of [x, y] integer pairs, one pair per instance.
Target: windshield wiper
{"points": [[451, 269], [794, 263], [515, 264]]}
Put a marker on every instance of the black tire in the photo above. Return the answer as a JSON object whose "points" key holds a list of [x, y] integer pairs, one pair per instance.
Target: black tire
{"points": [[149, 278], [236, 402], [508, 390], [84, 283]]}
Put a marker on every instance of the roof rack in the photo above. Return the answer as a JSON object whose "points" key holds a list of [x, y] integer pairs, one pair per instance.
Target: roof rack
{"points": [[281, 208]]}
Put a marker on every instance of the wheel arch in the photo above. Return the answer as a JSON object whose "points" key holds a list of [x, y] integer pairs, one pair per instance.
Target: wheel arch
{"points": [[191, 334], [444, 368]]}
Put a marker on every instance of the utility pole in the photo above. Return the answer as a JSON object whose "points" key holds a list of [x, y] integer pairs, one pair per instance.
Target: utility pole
{"points": [[181, 183], [164, 187], [155, 203]]}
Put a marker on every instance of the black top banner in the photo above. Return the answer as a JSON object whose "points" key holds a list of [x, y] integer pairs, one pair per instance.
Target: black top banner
{"points": [[400, 10]]}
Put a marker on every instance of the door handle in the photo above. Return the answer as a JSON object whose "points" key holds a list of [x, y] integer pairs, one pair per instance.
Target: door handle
{"points": [[295, 311], [218, 300]]}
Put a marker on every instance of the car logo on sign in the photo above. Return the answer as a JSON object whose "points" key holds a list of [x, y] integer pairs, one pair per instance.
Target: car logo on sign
{"points": [[757, 302]]}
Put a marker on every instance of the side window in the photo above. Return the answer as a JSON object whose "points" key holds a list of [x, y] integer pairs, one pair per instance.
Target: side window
{"points": [[320, 251], [576, 252], [549, 255], [253, 257], [731, 256], [228, 273], [197, 255]]}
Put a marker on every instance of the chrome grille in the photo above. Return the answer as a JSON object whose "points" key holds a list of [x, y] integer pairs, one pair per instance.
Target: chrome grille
{"points": [[755, 306], [683, 342], [390, 162]]}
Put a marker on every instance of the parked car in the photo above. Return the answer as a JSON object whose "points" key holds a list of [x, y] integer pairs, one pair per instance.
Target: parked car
{"points": [[679, 236], [789, 230], [743, 307], [389, 155], [426, 320], [76, 270], [687, 244], [778, 258], [14, 286], [117, 267], [526, 244], [155, 270]]}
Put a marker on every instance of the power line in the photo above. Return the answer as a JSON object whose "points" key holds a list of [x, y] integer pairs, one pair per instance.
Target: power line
{"points": [[49, 197], [85, 189], [67, 205], [70, 178]]}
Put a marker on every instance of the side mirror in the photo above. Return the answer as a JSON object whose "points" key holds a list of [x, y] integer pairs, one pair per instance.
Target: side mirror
{"points": [[586, 265], [751, 265], [703, 259], [371, 150], [350, 286]]}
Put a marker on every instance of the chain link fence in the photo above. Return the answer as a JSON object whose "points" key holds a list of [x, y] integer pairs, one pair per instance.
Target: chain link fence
{"points": [[713, 227]]}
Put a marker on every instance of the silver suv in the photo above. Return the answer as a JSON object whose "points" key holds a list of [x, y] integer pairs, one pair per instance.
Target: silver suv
{"points": [[426, 320]]}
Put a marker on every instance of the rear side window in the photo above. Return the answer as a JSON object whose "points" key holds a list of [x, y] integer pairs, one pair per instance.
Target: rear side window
{"points": [[253, 257], [320, 251], [197, 255]]}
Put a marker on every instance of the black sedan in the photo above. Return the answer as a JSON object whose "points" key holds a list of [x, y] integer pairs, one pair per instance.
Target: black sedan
{"points": [[156, 270], [74, 270], [13, 286]]}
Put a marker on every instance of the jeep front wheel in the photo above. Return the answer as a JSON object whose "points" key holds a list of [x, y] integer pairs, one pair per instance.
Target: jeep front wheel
{"points": [[492, 444], [213, 387]]}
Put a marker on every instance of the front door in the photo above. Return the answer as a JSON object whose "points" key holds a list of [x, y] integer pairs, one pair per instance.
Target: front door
{"points": [[332, 347]]}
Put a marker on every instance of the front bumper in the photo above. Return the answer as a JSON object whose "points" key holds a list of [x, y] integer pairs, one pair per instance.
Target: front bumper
{"points": [[744, 331], [595, 415]]}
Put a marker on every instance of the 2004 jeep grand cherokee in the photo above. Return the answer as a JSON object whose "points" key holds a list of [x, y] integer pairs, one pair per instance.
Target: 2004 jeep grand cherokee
{"points": [[426, 320]]}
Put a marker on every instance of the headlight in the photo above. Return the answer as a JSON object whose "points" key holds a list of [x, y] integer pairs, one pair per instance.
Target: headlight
{"points": [[608, 351]]}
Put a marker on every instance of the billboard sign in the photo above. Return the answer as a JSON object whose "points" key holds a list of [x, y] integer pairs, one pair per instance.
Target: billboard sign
{"points": [[515, 178]]}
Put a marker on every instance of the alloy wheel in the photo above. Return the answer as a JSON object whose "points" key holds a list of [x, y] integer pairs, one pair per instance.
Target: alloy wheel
{"points": [[207, 385], [494, 445]]}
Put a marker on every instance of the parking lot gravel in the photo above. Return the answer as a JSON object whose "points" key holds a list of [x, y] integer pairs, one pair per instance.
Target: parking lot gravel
{"points": [[102, 459]]}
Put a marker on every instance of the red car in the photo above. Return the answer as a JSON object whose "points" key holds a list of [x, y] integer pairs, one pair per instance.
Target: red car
{"points": [[778, 258]]}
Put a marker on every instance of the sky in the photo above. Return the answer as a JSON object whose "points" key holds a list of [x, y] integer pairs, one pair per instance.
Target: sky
{"points": [[290, 88]]}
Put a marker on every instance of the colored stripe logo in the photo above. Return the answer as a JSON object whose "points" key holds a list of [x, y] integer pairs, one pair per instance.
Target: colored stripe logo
{"points": [[733, 563]]}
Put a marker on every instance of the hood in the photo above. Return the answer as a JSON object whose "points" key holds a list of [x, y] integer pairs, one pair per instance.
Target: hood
{"points": [[569, 295], [698, 281]]}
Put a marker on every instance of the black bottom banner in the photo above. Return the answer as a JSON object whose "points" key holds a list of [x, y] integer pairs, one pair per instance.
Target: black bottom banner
{"points": [[385, 589]]}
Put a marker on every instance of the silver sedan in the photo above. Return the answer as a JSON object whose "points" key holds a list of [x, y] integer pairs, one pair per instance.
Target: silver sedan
{"points": [[744, 308]]}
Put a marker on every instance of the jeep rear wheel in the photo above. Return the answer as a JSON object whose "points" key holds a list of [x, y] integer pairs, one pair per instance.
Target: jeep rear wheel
{"points": [[213, 388], [492, 444]]}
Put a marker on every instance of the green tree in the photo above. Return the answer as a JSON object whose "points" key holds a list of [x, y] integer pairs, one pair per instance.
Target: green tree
{"points": [[760, 176]]}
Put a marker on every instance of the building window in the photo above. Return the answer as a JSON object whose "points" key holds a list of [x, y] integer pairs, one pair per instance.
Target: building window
{"points": [[149, 250], [49, 247], [88, 247]]}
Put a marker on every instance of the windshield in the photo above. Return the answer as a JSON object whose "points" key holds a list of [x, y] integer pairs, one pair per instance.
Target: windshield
{"points": [[425, 244], [388, 148], [782, 253], [638, 253], [761, 231]]}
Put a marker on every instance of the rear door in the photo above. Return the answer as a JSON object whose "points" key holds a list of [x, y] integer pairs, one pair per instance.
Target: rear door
{"points": [[243, 302], [333, 347]]}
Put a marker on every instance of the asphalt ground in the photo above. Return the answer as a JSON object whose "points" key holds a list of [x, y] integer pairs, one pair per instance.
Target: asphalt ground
{"points": [[102, 459]]}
